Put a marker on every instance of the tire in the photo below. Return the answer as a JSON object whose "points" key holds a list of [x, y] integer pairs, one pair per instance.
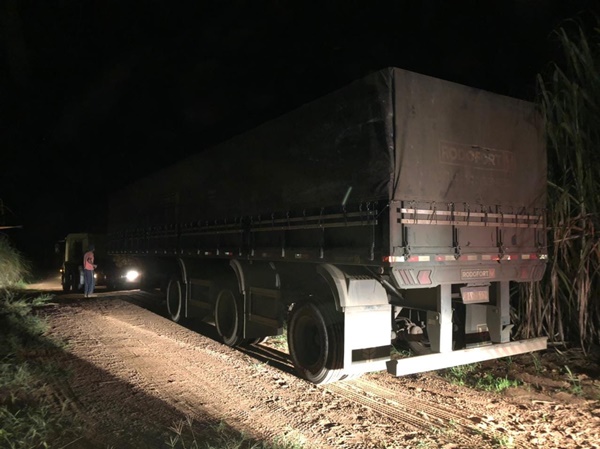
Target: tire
{"points": [[316, 342], [175, 299], [228, 317], [418, 347], [65, 283]]}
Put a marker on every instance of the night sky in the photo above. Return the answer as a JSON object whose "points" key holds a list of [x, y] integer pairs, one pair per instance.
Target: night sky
{"points": [[95, 94]]}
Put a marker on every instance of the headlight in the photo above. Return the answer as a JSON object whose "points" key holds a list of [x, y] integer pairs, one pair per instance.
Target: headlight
{"points": [[132, 275]]}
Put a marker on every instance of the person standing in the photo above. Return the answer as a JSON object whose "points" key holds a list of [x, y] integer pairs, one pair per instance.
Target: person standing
{"points": [[88, 272]]}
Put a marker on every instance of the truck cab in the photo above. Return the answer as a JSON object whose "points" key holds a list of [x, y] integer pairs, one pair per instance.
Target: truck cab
{"points": [[112, 272]]}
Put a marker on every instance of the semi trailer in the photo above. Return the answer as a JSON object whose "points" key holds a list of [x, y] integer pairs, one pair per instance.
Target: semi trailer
{"points": [[398, 210]]}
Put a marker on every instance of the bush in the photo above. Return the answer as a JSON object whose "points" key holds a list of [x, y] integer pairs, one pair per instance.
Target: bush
{"points": [[13, 266], [29, 416]]}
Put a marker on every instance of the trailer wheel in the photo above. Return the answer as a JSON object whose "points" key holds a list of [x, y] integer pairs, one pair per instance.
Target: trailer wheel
{"points": [[315, 340], [66, 285], [175, 299], [228, 317]]}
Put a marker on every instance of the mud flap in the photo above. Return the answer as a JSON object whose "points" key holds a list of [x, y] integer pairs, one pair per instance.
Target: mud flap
{"points": [[367, 319]]}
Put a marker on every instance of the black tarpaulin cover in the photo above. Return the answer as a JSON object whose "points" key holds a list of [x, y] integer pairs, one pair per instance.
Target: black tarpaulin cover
{"points": [[393, 135]]}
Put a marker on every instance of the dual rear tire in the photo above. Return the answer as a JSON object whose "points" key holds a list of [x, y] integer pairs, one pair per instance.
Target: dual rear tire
{"points": [[316, 342], [229, 317], [315, 336]]}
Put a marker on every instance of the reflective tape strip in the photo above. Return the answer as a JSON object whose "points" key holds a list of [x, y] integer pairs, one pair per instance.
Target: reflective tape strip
{"points": [[394, 259], [464, 257], [441, 221], [529, 256]]}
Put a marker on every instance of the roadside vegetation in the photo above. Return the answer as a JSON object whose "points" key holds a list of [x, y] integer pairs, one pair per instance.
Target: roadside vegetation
{"points": [[566, 305], [30, 414], [474, 376], [13, 266]]}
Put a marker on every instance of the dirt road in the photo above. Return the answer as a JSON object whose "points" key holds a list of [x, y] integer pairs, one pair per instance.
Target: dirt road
{"points": [[135, 374]]}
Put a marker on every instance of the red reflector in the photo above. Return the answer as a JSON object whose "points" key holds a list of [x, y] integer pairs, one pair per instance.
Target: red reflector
{"points": [[406, 279], [424, 277]]}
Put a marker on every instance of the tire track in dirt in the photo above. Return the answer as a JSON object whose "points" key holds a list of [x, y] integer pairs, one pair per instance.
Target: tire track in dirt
{"points": [[131, 345], [426, 414], [197, 373], [192, 377], [422, 417], [185, 383], [145, 354], [282, 416], [102, 400], [268, 405]]}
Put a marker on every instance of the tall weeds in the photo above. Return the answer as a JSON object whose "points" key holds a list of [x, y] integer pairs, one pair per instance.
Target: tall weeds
{"points": [[566, 305], [13, 267], [32, 415]]}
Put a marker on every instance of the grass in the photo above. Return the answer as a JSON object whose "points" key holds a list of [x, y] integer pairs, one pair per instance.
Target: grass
{"points": [[498, 440], [30, 417], [537, 363], [503, 441], [400, 353], [471, 375], [13, 266], [576, 387], [489, 382]]}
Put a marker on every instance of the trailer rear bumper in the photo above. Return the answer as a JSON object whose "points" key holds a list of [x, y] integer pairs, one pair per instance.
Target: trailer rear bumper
{"points": [[435, 361]]}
